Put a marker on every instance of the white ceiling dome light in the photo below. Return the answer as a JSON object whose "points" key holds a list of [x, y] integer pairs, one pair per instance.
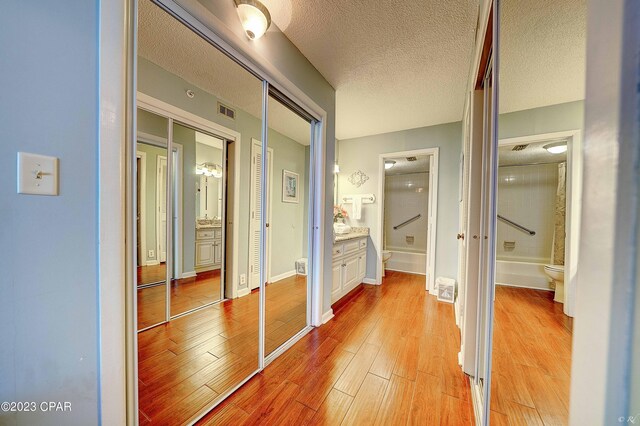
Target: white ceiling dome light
{"points": [[254, 17], [557, 147], [389, 164]]}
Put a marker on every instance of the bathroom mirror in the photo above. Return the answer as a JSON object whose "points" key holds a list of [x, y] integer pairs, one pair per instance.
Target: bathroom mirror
{"points": [[541, 108], [288, 155], [151, 218], [211, 108]]}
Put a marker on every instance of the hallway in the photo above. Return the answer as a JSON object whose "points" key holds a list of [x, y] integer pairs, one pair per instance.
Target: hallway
{"points": [[388, 357]]}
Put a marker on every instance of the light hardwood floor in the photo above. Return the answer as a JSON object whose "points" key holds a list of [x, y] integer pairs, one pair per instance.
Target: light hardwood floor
{"points": [[389, 357], [531, 359]]}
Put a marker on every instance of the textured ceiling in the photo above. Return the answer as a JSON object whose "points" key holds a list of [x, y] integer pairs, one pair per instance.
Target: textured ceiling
{"points": [[170, 45], [404, 166], [542, 53], [394, 64], [534, 153]]}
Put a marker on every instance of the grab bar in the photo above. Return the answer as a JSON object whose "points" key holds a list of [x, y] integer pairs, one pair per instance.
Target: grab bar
{"points": [[515, 225], [406, 222]]}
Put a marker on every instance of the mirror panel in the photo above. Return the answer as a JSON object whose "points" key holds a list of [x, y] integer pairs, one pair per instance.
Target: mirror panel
{"points": [[151, 218], [286, 307]]}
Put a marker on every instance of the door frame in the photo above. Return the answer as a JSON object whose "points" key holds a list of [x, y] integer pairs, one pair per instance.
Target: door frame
{"points": [[432, 225], [256, 146], [143, 207], [159, 193]]}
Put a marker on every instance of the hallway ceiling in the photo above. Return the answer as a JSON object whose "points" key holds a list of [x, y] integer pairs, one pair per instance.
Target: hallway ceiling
{"points": [[534, 153], [394, 64], [404, 166]]}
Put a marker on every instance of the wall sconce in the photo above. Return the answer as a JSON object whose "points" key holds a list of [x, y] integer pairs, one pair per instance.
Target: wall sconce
{"points": [[254, 17]]}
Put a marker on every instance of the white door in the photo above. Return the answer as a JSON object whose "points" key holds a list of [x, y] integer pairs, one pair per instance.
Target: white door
{"points": [[161, 198], [256, 212]]}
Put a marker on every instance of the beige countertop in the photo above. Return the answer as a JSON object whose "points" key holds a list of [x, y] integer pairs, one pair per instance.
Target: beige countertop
{"points": [[355, 233]]}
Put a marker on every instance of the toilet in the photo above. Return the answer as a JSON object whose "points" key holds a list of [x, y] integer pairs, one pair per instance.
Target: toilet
{"points": [[386, 255], [555, 273]]}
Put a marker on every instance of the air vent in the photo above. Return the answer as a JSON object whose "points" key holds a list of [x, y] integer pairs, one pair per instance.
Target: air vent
{"points": [[519, 147], [226, 111], [412, 159]]}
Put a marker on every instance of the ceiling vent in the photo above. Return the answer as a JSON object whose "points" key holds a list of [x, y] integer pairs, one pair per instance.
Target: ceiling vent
{"points": [[519, 147], [412, 159], [226, 111]]}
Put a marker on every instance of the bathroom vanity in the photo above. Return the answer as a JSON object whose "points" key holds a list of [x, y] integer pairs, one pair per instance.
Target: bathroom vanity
{"points": [[208, 246], [349, 262]]}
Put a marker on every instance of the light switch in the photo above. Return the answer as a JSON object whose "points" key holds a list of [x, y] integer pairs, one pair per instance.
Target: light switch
{"points": [[37, 174]]}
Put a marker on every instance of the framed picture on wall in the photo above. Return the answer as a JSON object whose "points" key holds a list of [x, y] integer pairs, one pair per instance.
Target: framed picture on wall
{"points": [[290, 187]]}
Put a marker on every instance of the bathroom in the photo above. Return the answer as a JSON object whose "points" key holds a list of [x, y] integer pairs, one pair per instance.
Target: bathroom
{"points": [[532, 205], [405, 218]]}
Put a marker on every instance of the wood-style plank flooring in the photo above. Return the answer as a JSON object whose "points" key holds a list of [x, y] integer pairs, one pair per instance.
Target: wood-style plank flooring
{"points": [[151, 274], [531, 359], [188, 363], [389, 357]]}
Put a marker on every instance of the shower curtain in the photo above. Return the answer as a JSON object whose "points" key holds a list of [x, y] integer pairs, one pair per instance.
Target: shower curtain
{"points": [[557, 251]]}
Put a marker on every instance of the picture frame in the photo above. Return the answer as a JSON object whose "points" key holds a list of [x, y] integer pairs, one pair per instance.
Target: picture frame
{"points": [[290, 187]]}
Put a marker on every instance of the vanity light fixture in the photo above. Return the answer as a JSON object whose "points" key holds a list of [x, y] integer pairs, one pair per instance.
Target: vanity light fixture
{"points": [[556, 147], [389, 164], [254, 17], [209, 170]]}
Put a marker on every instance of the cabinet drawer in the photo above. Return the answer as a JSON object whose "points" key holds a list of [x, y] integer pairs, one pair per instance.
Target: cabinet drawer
{"points": [[204, 234], [351, 246], [338, 250], [217, 233], [362, 243]]}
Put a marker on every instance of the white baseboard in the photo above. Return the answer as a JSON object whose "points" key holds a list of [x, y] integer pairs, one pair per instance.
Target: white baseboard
{"points": [[406, 272], [244, 291], [370, 281], [283, 276], [189, 274], [327, 316], [526, 286], [151, 263]]}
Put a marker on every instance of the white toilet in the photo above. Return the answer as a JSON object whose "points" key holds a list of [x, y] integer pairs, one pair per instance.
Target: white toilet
{"points": [[556, 275], [386, 255]]}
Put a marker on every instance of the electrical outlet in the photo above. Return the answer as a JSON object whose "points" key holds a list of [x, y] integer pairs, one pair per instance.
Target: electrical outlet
{"points": [[152, 254], [243, 279]]}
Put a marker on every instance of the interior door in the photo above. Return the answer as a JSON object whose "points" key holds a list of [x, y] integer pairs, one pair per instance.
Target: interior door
{"points": [[161, 183], [256, 212]]}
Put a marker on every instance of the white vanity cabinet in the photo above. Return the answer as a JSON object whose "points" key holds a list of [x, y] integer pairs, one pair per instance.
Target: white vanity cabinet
{"points": [[208, 249], [349, 266]]}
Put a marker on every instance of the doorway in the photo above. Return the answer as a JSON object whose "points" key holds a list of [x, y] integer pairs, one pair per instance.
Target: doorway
{"points": [[411, 176]]}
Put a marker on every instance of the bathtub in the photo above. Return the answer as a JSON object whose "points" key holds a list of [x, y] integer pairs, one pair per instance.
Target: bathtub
{"points": [[407, 260], [522, 274]]}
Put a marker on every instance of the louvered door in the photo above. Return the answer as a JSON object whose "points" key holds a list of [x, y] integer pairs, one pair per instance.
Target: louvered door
{"points": [[256, 206]]}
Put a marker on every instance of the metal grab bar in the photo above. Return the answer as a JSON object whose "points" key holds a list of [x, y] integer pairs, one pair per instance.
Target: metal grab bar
{"points": [[406, 222], [515, 225]]}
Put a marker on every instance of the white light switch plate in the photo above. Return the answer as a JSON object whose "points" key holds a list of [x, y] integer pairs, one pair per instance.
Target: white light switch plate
{"points": [[37, 174]]}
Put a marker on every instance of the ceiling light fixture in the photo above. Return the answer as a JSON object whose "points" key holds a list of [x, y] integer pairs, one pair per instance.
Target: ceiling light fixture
{"points": [[556, 147], [254, 17], [389, 164]]}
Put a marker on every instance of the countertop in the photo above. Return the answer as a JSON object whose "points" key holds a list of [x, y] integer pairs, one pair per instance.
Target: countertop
{"points": [[355, 233]]}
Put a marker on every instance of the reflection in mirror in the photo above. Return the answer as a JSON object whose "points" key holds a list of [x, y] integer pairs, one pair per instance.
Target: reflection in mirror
{"points": [[542, 80], [151, 218], [210, 345], [288, 218], [198, 216]]}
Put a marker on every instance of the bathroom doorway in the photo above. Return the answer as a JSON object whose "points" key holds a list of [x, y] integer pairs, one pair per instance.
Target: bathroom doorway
{"points": [[408, 194]]}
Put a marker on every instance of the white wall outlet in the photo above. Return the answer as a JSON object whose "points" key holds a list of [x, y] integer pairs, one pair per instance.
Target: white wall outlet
{"points": [[243, 279], [152, 254], [37, 174]]}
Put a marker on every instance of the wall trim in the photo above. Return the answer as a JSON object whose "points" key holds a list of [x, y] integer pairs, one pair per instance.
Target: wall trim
{"points": [[282, 276], [327, 316], [190, 274], [371, 281], [243, 292]]}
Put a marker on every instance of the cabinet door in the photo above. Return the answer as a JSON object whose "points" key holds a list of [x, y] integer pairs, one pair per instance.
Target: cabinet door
{"points": [[362, 266], [204, 253], [336, 274], [350, 274], [217, 252]]}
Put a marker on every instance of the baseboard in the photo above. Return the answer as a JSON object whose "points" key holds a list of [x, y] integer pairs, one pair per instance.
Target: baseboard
{"points": [[152, 263], [189, 274], [283, 276], [244, 291], [406, 272], [370, 281], [327, 316], [526, 286]]}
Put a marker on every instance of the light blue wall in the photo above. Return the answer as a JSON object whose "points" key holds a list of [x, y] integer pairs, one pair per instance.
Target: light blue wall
{"points": [[554, 118], [364, 153], [49, 245]]}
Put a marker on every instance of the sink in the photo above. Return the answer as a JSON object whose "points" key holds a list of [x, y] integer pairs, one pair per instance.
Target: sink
{"points": [[341, 228]]}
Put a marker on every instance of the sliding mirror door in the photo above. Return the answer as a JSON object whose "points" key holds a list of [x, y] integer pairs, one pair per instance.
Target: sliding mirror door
{"points": [[151, 218], [288, 171], [209, 344]]}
